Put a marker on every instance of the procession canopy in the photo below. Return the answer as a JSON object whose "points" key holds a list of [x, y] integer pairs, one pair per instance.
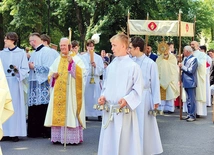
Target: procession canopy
{"points": [[160, 28]]}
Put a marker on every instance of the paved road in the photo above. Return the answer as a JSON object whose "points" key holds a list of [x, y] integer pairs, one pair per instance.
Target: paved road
{"points": [[178, 138]]}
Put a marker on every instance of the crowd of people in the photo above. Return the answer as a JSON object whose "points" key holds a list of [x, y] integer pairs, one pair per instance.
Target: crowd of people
{"points": [[63, 88]]}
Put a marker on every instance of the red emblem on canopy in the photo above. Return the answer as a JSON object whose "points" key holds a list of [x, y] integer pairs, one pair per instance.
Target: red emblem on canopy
{"points": [[152, 26], [187, 27]]}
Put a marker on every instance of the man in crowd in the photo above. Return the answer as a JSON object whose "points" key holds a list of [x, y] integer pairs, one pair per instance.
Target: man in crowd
{"points": [[150, 54], [122, 88], [189, 80], [15, 64], [66, 110], [95, 70], [203, 48], [211, 54], [75, 47], [6, 106], [38, 94], [201, 107], [168, 75], [171, 48], [46, 40], [149, 132]]}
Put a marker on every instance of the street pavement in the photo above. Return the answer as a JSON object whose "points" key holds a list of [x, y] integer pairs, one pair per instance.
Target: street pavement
{"points": [[178, 138]]}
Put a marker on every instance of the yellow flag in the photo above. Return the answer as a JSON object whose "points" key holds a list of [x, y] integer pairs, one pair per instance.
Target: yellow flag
{"points": [[187, 29]]}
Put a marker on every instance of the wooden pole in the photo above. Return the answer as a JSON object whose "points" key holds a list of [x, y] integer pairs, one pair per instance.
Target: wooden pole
{"points": [[128, 31], [146, 37], [194, 28], [69, 38], [67, 86], [180, 103]]}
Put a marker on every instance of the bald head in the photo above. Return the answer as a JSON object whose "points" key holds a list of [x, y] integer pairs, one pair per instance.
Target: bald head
{"points": [[195, 45]]}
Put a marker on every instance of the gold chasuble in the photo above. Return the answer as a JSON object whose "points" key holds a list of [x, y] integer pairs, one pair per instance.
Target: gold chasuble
{"points": [[64, 85], [163, 93], [59, 107], [168, 75], [79, 93]]}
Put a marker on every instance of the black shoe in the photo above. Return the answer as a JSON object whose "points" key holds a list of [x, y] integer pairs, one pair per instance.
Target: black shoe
{"points": [[86, 118], [197, 116], [170, 112], [45, 135], [99, 118], [15, 139], [6, 138], [190, 119]]}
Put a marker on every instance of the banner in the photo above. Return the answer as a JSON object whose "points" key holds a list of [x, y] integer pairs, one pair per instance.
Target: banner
{"points": [[187, 29], [154, 27], [160, 28]]}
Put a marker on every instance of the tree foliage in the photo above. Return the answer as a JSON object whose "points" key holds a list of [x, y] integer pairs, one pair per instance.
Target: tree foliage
{"points": [[87, 17]]}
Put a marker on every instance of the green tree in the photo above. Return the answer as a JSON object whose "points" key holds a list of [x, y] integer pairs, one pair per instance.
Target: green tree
{"points": [[87, 17]]}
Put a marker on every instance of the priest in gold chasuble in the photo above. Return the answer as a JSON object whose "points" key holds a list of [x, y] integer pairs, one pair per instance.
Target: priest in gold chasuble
{"points": [[66, 108], [168, 75]]}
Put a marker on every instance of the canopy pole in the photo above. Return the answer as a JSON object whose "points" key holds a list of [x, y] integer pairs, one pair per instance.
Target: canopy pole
{"points": [[128, 31], [194, 28], [180, 60], [146, 37]]}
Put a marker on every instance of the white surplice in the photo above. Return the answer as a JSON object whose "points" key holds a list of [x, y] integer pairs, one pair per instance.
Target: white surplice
{"points": [[201, 83], [149, 132], [123, 80], [92, 91], [16, 125]]}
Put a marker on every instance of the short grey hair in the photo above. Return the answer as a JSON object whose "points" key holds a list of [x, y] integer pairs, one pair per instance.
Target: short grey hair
{"points": [[188, 48], [64, 38]]}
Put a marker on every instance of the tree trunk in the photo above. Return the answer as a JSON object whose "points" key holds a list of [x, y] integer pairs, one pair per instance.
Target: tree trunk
{"points": [[80, 26]]}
